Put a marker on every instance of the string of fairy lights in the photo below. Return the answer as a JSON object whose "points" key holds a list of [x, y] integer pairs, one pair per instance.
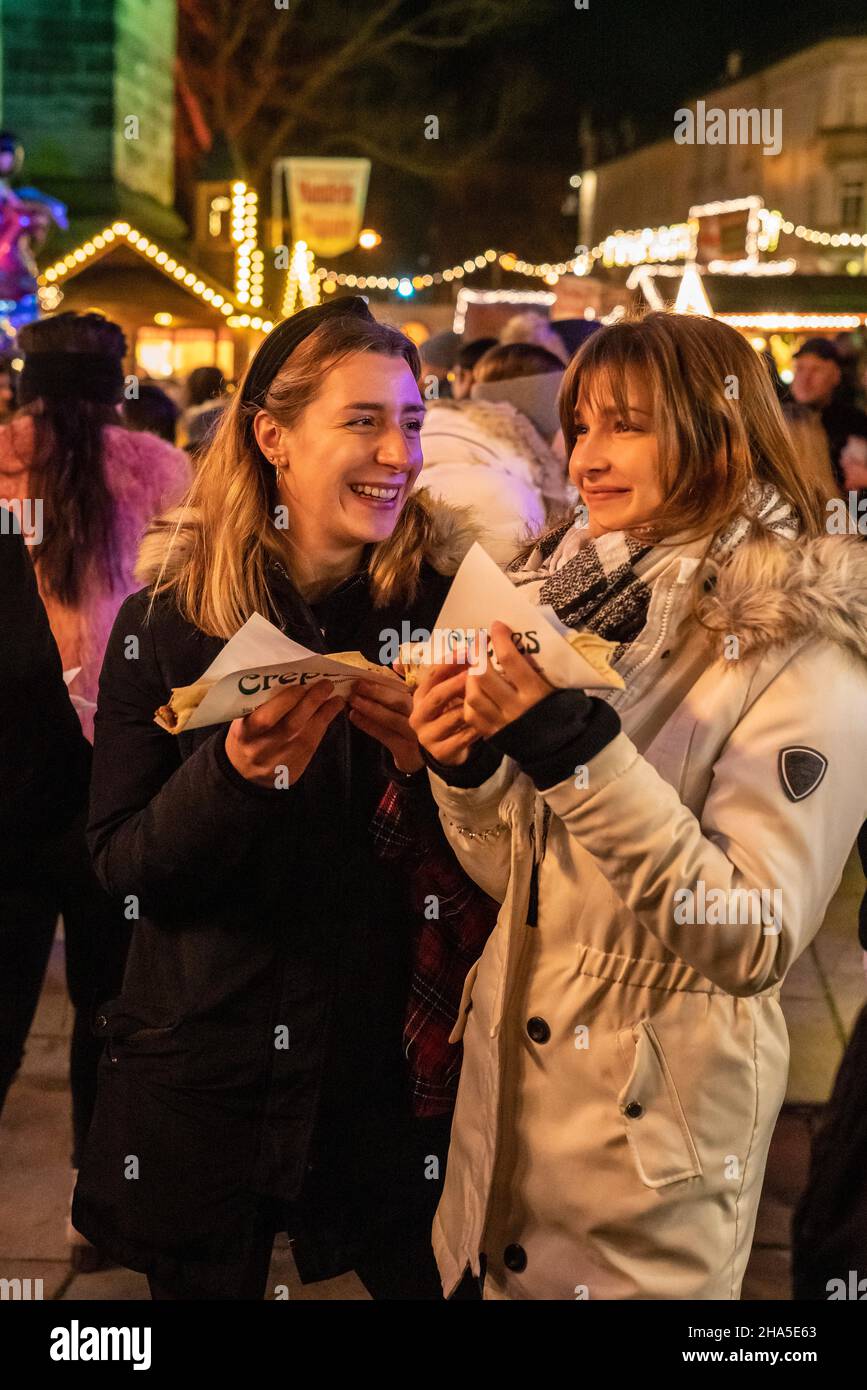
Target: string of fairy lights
{"points": [[305, 281], [249, 258], [648, 245]]}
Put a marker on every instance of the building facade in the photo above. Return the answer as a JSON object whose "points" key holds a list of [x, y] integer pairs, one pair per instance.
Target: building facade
{"points": [[89, 88], [817, 179]]}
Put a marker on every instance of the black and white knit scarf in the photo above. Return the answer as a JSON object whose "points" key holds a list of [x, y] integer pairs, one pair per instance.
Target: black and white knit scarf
{"points": [[598, 588]]}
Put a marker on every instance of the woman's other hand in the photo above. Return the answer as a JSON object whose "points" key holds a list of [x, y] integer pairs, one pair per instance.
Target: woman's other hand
{"points": [[282, 733], [383, 712], [438, 714]]}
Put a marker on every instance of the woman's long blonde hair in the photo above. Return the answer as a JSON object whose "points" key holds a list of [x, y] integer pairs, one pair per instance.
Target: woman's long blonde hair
{"points": [[223, 537], [716, 417]]}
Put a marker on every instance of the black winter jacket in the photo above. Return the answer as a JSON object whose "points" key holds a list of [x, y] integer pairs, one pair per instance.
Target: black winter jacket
{"points": [[256, 1049], [44, 756]]}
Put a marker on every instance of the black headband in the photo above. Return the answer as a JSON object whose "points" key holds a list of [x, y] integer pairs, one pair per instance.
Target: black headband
{"points": [[284, 339], [87, 376]]}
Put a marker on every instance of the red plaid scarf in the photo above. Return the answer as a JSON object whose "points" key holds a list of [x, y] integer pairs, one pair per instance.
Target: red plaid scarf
{"points": [[444, 947]]}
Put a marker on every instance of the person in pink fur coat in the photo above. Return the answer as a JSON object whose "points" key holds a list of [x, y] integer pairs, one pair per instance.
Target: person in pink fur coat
{"points": [[97, 484], [83, 489]]}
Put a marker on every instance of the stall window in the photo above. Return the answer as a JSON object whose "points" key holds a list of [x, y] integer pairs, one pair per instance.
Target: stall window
{"points": [[175, 352]]}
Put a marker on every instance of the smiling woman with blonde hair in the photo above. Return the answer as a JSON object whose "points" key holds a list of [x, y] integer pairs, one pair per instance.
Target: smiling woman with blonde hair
{"points": [[662, 853], [255, 1061]]}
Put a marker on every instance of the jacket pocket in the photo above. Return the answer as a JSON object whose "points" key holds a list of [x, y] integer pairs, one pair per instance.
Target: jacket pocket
{"points": [[124, 1031], [656, 1126]]}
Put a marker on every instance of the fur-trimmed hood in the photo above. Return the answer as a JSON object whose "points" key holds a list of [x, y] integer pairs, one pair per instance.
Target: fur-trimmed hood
{"points": [[508, 439], [772, 593], [451, 533]]}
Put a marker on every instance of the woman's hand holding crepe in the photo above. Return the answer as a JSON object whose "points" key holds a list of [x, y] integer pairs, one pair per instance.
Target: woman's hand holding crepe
{"points": [[456, 704], [438, 714], [384, 714], [283, 733], [491, 700]]}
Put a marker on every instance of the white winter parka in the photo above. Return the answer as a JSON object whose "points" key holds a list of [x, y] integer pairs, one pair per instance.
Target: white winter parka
{"points": [[488, 456], [626, 1058]]}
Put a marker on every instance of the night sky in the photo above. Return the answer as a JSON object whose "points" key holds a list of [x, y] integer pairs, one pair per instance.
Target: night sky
{"points": [[644, 59], [620, 58]]}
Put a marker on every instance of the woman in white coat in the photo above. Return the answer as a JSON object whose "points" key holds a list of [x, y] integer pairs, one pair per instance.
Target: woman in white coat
{"points": [[662, 854]]}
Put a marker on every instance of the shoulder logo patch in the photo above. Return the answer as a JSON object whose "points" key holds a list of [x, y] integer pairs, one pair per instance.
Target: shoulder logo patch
{"points": [[801, 771]]}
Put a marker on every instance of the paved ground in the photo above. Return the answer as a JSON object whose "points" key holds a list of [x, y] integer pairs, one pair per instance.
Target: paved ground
{"points": [[823, 994]]}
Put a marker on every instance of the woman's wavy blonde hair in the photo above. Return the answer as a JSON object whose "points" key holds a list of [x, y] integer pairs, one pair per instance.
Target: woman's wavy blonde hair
{"points": [[717, 419], [222, 535]]}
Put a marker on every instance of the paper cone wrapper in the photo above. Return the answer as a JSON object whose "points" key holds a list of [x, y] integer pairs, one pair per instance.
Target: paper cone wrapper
{"points": [[482, 594], [254, 666]]}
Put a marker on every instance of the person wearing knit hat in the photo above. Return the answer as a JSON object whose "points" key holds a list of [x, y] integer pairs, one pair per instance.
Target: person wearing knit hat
{"points": [[269, 1061]]}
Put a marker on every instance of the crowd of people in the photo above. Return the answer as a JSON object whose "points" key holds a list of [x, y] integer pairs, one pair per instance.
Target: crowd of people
{"points": [[574, 1086]]}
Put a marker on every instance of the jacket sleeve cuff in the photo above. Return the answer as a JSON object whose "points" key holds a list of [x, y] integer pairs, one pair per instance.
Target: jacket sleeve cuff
{"points": [[412, 781], [564, 731], [481, 764]]}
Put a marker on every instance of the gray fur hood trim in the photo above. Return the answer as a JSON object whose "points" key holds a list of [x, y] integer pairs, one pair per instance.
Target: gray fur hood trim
{"points": [[771, 593]]}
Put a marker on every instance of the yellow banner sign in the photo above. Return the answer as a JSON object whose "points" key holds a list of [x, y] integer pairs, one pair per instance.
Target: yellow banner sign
{"points": [[326, 202]]}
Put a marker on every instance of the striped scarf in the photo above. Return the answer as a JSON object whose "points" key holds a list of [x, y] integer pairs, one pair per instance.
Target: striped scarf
{"points": [[596, 587], [592, 583]]}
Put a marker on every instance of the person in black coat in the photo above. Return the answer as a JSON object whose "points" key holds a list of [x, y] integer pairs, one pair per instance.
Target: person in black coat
{"points": [[818, 384], [45, 867], [254, 1079], [44, 770], [44, 756]]}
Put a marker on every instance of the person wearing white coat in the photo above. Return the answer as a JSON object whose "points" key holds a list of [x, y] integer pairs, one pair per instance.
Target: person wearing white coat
{"points": [[493, 452], [662, 853]]}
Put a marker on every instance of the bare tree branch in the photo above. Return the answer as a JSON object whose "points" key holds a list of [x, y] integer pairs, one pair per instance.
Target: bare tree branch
{"points": [[263, 76], [245, 110], [355, 49], [376, 139]]}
